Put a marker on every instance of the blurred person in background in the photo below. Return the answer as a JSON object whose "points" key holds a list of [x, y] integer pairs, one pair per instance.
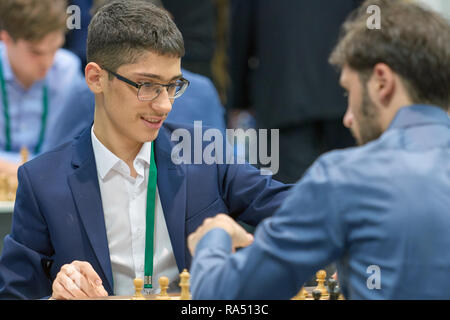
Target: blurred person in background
{"points": [[36, 75]]}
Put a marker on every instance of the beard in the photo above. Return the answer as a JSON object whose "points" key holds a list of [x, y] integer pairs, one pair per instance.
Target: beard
{"points": [[367, 117]]}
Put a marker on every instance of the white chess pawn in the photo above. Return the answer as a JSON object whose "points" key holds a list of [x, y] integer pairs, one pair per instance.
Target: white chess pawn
{"points": [[138, 286], [164, 285], [184, 284]]}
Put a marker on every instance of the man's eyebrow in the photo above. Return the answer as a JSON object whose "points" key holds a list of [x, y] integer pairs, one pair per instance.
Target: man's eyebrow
{"points": [[158, 77]]}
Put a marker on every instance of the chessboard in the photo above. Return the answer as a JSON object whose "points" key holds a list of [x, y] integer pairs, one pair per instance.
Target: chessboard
{"points": [[326, 289], [330, 291], [184, 294], [8, 183], [8, 188]]}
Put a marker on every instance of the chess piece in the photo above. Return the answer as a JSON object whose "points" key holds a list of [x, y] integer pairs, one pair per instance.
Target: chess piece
{"points": [[138, 286], [333, 289], [184, 284], [3, 187], [321, 276], [317, 294], [12, 188], [164, 285], [24, 154]]}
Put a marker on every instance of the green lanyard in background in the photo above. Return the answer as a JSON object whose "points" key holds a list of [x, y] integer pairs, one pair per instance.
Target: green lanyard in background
{"points": [[5, 103], [150, 221]]}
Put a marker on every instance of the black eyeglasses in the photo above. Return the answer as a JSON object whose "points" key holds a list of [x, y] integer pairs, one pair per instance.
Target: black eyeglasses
{"points": [[150, 91]]}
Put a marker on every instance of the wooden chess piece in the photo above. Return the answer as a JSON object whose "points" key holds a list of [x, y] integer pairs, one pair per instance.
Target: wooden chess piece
{"points": [[164, 285], [12, 188], [3, 187], [24, 154], [138, 286], [184, 284], [321, 276]]}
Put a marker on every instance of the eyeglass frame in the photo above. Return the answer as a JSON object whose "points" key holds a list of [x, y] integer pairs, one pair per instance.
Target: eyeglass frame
{"points": [[139, 85]]}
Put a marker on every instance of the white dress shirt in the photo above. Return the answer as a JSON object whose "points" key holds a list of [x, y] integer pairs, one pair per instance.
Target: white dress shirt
{"points": [[124, 200]]}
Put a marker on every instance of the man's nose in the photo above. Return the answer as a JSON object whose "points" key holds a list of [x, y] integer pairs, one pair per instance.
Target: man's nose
{"points": [[348, 119], [162, 104]]}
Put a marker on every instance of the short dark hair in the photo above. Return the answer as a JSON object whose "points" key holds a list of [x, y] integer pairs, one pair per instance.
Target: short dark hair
{"points": [[121, 31], [32, 20], [413, 41]]}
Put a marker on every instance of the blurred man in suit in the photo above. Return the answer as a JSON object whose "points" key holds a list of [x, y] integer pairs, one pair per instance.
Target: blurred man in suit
{"points": [[279, 71]]}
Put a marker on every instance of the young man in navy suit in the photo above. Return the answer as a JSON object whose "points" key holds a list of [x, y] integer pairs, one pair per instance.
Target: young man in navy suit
{"points": [[112, 205]]}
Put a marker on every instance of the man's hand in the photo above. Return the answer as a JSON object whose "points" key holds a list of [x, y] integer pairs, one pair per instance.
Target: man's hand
{"points": [[77, 280], [239, 237]]}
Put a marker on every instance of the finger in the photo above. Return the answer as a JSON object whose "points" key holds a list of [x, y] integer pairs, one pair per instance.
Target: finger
{"points": [[73, 271], [83, 284], [59, 292], [241, 238], [70, 286], [192, 242], [93, 279]]}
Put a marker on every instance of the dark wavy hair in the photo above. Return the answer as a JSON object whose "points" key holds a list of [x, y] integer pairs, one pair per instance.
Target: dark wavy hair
{"points": [[413, 41], [121, 31]]}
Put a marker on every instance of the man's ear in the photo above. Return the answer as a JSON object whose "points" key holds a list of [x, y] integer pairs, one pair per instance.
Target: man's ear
{"points": [[6, 38], [95, 77], [383, 84]]}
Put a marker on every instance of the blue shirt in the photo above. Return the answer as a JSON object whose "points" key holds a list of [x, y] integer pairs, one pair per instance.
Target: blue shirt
{"points": [[200, 102], [381, 211], [26, 105]]}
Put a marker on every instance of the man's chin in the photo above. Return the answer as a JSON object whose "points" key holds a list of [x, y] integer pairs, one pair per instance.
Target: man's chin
{"points": [[152, 136]]}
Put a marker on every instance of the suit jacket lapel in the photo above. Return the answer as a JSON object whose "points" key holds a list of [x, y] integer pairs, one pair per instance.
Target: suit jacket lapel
{"points": [[86, 193], [172, 192]]}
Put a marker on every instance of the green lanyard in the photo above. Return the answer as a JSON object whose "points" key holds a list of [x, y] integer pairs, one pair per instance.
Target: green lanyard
{"points": [[8, 120], [150, 221]]}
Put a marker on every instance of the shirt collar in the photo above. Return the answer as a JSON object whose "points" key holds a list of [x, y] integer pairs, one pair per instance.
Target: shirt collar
{"points": [[144, 153], [415, 115], [107, 161]]}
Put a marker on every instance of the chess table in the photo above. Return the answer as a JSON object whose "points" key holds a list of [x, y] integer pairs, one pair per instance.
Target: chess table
{"points": [[6, 207], [305, 293], [173, 296]]}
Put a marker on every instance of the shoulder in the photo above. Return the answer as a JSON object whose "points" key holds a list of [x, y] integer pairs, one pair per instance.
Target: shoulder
{"points": [[66, 59], [51, 162], [66, 69], [355, 164], [196, 79], [199, 84]]}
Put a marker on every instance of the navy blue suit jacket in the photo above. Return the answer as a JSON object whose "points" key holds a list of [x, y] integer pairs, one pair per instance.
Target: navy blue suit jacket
{"points": [[58, 215]]}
